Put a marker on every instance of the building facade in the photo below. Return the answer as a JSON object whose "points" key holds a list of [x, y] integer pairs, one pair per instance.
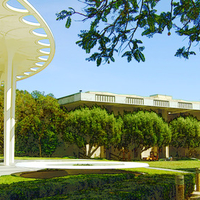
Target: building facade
{"points": [[164, 105]]}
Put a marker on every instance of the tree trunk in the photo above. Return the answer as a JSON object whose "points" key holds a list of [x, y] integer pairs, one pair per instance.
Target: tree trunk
{"points": [[40, 147], [89, 150], [137, 153], [91, 153]]}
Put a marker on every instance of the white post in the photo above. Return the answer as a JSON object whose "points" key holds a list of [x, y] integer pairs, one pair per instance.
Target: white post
{"points": [[13, 95], [9, 110], [167, 151]]}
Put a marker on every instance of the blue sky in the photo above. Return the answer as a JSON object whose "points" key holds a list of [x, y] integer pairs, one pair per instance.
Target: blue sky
{"points": [[69, 72]]}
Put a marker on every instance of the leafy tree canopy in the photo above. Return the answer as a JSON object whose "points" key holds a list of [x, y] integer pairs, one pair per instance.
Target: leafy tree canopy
{"points": [[94, 126], [40, 119], [143, 130], [185, 132], [114, 24]]}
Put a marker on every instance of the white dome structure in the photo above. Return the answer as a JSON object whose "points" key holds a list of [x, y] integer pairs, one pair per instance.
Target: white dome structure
{"points": [[26, 48]]}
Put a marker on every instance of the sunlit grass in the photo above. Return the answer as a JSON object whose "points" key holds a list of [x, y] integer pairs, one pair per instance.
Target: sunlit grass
{"points": [[42, 158], [151, 171], [8, 179], [185, 165]]}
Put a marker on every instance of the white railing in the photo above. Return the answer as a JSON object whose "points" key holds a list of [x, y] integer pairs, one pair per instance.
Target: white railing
{"points": [[105, 98], [161, 103], [184, 105], [137, 101]]}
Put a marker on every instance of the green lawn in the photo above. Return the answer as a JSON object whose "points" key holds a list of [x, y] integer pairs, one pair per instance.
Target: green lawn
{"points": [[8, 179], [184, 165], [42, 158], [151, 171]]}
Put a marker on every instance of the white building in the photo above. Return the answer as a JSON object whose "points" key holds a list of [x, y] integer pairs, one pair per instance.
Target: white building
{"points": [[163, 105]]}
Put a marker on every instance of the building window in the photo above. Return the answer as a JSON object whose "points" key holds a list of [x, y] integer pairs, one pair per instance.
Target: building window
{"points": [[185, 105], [161, 103], [137, 101], [104, 98]]}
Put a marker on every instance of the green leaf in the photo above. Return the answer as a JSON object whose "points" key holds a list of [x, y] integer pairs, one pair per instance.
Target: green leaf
{"points": [[141, 55], [169, 26], [99, 62], [112, 59], [68, 22], [104, 19], [98, 3], [136, 55], [87, 50], [129, 58], [146, 32]]}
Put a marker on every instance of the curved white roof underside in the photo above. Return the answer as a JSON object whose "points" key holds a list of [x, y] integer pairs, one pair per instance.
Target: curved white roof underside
{"points": [[33, 50]]}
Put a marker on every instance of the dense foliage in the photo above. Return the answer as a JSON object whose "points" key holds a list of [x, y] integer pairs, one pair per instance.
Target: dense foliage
{"points": [[116, 26], [94, 126], [39, 121], [185, 132], [143, 130]]}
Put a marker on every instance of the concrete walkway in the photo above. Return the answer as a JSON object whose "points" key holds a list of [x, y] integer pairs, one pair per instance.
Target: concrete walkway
{"points": [[7, 170]]}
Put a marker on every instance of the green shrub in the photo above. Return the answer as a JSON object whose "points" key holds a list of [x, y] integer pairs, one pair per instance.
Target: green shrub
{"points": [[99, 186], [145, 187], [51, 187]]}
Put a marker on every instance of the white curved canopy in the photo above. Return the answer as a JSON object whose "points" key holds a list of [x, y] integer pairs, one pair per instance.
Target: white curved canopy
{"points": [[32, 50], [24, 51]]}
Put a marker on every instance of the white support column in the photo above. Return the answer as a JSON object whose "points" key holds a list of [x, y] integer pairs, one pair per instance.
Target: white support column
{"points": [[9, 110], [13, 96]]}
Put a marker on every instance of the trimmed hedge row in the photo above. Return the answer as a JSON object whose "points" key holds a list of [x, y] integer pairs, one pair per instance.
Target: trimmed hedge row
{"points": [[106, 186], [146, 187], [51, 187]]}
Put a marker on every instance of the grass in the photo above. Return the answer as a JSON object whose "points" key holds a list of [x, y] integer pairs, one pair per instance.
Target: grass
{"points": [[184, 165], [41, 158], [151, 171], [8, 179]]}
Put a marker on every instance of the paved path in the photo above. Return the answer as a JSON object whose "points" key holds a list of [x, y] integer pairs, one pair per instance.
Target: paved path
{"points": [[7, 170]]}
